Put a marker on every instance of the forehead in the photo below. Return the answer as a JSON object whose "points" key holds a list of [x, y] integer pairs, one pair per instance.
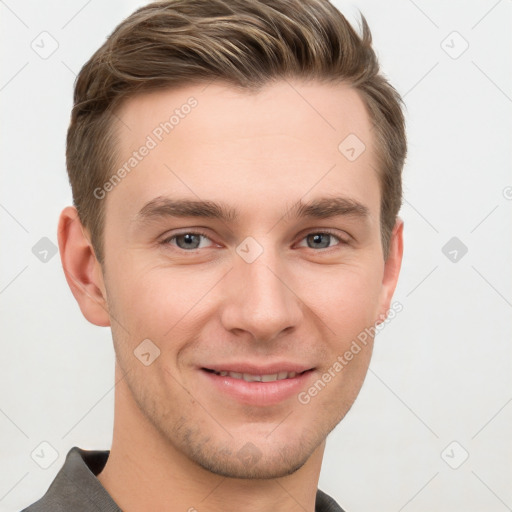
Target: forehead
{"points": [[279, 109], [215, 142]]}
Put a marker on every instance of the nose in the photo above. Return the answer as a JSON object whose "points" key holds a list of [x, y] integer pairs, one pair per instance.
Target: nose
{"points": [[260, 299]]}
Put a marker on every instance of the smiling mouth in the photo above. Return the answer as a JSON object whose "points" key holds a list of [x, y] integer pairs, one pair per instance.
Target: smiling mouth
{"points": [[249, 377]]}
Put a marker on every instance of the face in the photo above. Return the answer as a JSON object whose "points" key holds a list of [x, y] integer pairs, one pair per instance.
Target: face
{"points": [[245, 245]]}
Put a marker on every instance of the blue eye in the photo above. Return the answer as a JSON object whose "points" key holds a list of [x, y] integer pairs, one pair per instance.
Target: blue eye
{"points": [[187, 241], [192, 240], [321, 240]]}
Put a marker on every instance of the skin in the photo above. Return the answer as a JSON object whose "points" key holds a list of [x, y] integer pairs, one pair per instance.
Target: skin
{"points": [[176, 438]]}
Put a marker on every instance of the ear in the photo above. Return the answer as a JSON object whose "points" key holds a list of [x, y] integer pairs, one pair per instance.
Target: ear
{"points": [[81, 268], [391, 269]]}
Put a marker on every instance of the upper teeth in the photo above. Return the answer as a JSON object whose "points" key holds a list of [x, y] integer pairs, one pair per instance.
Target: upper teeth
{"points": [[248, 377]]}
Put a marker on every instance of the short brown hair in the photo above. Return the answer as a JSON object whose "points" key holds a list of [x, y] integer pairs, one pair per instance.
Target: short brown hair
{"points": [[246, 43]]}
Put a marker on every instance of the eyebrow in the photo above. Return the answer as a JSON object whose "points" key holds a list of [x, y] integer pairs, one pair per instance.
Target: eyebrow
{"points": [[322, 208]]}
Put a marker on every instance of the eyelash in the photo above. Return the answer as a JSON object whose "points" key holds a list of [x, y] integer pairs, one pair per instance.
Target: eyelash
{"points": [[202, 233]]}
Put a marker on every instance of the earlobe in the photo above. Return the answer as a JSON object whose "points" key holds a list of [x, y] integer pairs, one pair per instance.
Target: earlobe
{"points": [[391, 269], [81, 268]]}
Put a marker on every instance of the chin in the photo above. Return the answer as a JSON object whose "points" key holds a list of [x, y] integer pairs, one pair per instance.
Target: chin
{"points": [[247, 455], [267, 466]]}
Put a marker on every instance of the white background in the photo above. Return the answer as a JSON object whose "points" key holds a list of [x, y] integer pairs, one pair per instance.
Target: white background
{"points": [[441, 370]]}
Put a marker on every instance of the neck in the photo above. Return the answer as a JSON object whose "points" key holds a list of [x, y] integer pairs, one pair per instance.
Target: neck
{"points": [[144, 471]]}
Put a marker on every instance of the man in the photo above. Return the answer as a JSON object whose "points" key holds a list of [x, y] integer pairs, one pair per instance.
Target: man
{"points": [[236, 174]]}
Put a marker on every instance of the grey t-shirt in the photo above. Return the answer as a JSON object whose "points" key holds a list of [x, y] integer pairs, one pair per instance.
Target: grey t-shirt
{"points": [[76, 488]]}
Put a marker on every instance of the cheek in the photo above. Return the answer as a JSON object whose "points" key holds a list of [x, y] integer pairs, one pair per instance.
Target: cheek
{"points": [[345, 297], [156, 301], [349, 312]]}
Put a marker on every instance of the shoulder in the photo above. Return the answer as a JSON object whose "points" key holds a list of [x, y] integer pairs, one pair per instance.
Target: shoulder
{"points": [[324, 503], [76, 487]]}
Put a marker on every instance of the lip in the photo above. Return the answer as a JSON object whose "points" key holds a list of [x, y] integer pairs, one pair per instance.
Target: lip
{"points": [[267, 369], [259, 394]]}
